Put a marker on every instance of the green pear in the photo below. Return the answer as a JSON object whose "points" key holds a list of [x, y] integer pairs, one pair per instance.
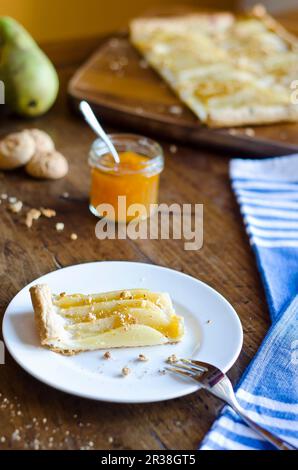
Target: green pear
{"points": [[30, 79]]}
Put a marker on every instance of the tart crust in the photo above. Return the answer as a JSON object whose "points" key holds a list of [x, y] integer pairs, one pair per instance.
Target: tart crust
{"points": [[45, 318]]}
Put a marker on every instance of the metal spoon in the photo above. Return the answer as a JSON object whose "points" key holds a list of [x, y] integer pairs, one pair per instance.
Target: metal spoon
{"points": [[96, 127]]}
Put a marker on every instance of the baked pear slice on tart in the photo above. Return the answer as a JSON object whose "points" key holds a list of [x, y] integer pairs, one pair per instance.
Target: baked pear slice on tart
{"points": [[72, 323]]}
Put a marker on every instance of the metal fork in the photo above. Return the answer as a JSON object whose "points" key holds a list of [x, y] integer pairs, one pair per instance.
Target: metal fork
{"points": [[216, 382]]}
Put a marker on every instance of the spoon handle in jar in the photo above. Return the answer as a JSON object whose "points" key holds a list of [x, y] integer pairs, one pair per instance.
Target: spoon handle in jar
{"points": [[94, 124]]}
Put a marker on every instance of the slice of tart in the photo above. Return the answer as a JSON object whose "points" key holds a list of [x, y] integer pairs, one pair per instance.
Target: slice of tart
{"points": [[69, 324], [230, 69]]}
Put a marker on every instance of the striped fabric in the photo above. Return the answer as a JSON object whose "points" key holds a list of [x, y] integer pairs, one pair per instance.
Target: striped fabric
{"points": [[267, 191]]}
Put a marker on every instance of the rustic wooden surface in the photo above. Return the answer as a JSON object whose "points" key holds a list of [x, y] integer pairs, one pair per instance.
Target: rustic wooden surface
{"points": [[125, 91], [33, 415]]}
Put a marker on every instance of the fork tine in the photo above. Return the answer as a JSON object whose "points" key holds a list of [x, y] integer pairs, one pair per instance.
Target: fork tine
{"points": [[179, 372], [200, 366], [189, 369]]}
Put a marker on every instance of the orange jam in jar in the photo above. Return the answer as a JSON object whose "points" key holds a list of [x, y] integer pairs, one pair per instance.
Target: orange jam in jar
{"points": [[117, 188]]}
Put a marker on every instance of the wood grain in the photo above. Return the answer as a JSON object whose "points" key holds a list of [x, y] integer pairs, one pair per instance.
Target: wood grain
{"points": [[33, 415]]}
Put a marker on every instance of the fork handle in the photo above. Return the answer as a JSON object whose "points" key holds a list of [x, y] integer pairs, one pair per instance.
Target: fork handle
{"points": [[274, 440], [224, 391]]}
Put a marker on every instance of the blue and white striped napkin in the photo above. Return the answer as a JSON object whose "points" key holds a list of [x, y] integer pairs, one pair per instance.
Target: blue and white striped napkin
{"points": [[267, 191]]}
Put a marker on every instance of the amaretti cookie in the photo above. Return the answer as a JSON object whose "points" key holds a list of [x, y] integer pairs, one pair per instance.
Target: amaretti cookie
{"points": [[47, 165], [16, 150], [43, 142]]}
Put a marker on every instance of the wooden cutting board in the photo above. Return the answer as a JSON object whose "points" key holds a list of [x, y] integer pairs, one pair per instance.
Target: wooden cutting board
{"points": [[124, 91]]}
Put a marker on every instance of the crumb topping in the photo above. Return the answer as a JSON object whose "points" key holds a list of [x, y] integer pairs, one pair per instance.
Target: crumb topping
{"points": [[91, 316], [126, 294]]}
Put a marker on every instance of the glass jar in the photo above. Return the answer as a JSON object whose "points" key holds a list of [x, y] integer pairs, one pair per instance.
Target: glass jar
{"points": [[116, 187]]}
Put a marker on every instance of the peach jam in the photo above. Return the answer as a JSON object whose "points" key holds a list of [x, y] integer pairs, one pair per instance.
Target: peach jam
{"points": [[133, 181]]}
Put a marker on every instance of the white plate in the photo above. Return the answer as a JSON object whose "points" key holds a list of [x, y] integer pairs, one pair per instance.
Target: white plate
{"points": [[213, 334]]}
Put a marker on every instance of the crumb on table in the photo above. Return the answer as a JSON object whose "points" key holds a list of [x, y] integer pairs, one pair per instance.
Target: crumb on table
{"points": [[32, 214], [59, 226], [15, 206], [47, 212]]}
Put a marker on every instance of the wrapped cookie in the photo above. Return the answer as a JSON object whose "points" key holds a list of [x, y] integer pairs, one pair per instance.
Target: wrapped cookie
{"points": [[16, 150], [47, 165]]}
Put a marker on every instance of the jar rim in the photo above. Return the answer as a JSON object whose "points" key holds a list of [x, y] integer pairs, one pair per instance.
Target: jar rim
{"points": [[154, 164]]}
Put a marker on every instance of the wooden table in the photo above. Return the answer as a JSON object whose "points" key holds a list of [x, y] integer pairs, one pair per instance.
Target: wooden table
{"points": [[33, 415]]}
